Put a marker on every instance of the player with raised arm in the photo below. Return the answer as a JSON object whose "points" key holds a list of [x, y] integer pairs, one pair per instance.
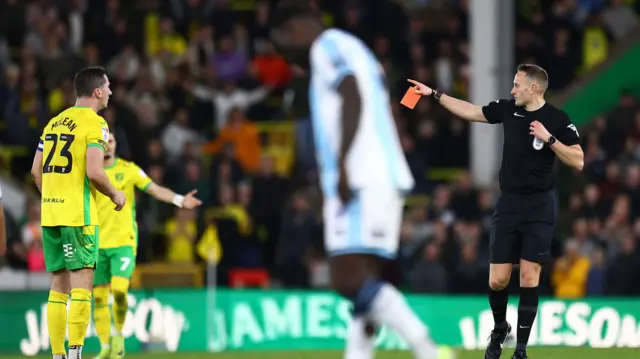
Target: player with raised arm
{"points": [[118, 246], [67, 169], [524, 219], [363, 173]]}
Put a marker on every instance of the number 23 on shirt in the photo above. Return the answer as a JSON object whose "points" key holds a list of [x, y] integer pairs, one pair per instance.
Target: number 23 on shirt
{"points": [[68, 198]]}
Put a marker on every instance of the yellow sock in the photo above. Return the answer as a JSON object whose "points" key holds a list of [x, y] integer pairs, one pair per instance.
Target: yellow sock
{"points": [[57, 321], [79, 315], [102, 315], [119, 288]]}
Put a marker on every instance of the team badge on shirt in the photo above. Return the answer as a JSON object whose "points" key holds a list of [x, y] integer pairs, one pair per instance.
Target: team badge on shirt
{"points": [[105, 135], [538, 144]]}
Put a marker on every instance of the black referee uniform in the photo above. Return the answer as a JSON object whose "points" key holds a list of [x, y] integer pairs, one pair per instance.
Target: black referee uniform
{"points": [[525, 215]]}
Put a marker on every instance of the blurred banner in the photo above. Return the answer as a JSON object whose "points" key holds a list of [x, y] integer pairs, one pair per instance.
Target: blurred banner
{"points": [[270, 320]]}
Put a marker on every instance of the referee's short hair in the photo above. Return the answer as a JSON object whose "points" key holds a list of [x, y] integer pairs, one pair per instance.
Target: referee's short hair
{"points": [[536, 73], [288, 9], [88, 79]]}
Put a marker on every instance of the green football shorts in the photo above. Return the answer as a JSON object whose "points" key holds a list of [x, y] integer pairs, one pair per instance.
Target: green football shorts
{"points": [[70, 248], [114, 262]]}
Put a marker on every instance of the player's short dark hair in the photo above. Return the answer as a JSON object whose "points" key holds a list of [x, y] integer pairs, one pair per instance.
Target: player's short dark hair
{"points": [[288, 9], [536, 73], [89, 79]]}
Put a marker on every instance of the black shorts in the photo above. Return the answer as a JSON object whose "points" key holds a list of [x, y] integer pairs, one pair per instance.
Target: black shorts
{"points": [[522, 228]]}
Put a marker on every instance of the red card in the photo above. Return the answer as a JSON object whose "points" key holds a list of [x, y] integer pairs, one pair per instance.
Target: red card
{"points": [[410, 98]]}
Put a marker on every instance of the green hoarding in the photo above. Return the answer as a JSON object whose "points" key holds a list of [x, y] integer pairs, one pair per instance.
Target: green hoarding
{"points": [[270, 320], [602, 93]]}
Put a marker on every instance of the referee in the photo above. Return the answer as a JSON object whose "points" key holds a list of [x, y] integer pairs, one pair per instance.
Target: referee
{"points": [[535, 133]]}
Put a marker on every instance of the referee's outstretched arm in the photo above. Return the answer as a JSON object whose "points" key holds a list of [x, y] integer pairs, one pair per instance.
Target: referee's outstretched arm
{"points": [[460, 108], [528, 90]]}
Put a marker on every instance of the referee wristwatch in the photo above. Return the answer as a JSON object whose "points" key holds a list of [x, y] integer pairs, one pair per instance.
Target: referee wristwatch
{"points": [[437, 94], [551, 140]]}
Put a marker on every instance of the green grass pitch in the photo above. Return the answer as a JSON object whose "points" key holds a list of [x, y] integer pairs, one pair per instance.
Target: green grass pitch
{"points": [[534, 353]]}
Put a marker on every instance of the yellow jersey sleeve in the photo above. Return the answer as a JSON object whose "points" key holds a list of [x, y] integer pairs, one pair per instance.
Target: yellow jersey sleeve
{"points": [[98, 135], [140, 178]]}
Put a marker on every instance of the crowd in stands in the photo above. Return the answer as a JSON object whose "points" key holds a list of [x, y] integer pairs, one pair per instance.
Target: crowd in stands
{"points": [[601, 254], [200, 97]]}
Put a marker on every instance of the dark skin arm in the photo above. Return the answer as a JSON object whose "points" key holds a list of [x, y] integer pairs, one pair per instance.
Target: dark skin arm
{"points": [[351, 104]]}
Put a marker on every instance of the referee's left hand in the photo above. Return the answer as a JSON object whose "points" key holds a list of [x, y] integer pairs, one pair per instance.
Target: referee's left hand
{"points": [[421, 88], [538, 130]]}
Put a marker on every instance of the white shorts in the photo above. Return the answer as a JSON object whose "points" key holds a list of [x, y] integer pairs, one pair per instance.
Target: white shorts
{"points": [[370, 223]]}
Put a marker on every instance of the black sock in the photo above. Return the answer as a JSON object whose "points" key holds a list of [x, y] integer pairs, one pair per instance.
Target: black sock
{"points": [[527, 310], [498, 300]]}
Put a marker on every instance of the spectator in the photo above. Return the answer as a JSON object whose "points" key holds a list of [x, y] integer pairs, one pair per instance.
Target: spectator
{"points": [[620, 19], [167, 42], [561, 62], [237, 233], [595, 43], [465, 199], [485, 206], [269, 196], [570, 272], [586, 246], [25, 114], [181, 236], [597, 279], [177, 134], [9, 89], [416, 163], [594, 156], [230, 64], [193, 180], [271, 69], [617, 224], [612, 182], [124, 150], [429, 274], [632, 189], [231, 97], [295, 243], [593, 206], [621, 276], [243, 136], [61, 97], [469, 276], [441, 206], [305, 140], [32, 238], [201, 48]]}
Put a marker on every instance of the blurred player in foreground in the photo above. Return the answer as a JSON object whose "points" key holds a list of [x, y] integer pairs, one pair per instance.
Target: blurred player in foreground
{"points": [[363, 173], [67, 169], [118, 246]]}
